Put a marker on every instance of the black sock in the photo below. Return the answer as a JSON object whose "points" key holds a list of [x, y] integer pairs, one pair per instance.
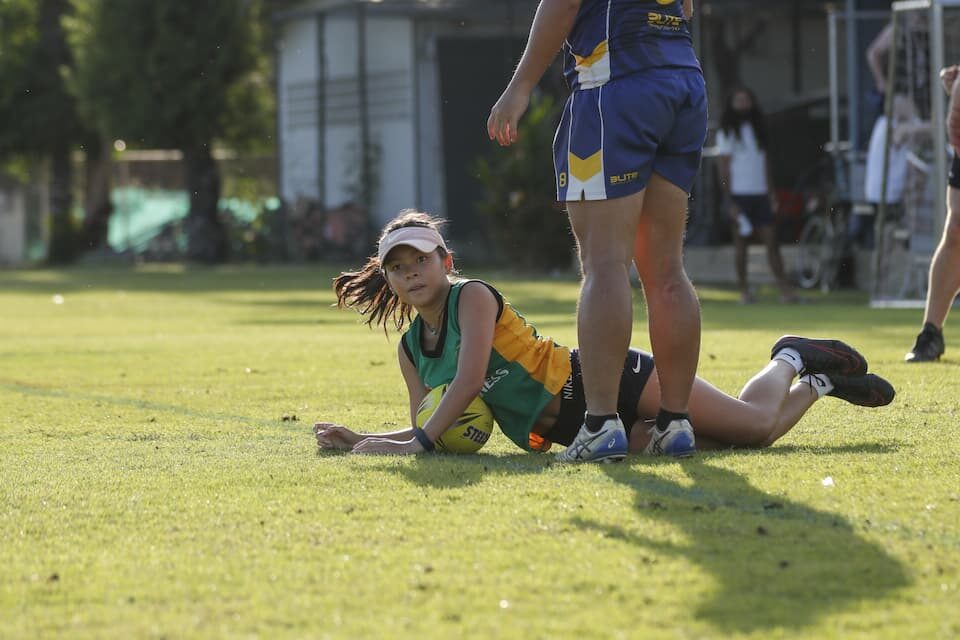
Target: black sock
{"points": [[929, 327], [664, 418], [594, 423]]}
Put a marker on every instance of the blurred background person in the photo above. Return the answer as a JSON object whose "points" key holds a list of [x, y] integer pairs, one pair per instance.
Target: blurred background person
{"points": [[745, 179], [944, 278], [877, 53], [905, 124]]}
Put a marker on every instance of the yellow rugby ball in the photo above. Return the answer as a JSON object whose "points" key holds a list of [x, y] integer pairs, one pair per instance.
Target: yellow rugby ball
{"points": [[471, 430]]}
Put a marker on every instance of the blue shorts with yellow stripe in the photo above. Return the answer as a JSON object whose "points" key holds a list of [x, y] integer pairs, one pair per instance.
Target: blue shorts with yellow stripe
{"points": [[612, 137]]}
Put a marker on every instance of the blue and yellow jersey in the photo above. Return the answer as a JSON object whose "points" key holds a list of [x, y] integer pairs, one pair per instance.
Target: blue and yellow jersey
{"points": [[526, 370], [614, 38]]}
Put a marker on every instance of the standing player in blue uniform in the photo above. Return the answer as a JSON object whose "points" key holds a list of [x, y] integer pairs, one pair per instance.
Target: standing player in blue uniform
{"points": [[626, 153]]}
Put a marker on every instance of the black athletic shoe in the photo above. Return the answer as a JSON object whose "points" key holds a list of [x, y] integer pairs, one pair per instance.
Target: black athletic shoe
{"points": [[868, 390], [929, 346], [824, 356]]}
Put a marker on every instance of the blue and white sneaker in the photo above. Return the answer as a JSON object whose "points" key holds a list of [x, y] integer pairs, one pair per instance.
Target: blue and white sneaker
{"points": [[676, 440], [609, 444]]}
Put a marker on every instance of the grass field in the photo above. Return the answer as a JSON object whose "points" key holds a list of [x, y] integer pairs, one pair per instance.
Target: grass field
{"points": [[158, 478]]}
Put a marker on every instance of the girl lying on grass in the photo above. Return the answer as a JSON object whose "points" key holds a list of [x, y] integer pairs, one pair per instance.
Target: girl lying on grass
{"points": [[467, 335]]}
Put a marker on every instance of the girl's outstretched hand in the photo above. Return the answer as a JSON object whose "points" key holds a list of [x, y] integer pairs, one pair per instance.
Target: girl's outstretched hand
{"points": [[335, 436], [375, 445]]}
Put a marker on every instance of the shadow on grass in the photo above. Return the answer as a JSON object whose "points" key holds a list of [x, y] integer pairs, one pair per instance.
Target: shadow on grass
{"points": [[458, 471], [775, 563], [862, 448]]}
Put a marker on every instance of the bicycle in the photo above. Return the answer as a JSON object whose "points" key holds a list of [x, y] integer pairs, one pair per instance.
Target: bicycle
{"points": [[822, 242], [823, 247]]}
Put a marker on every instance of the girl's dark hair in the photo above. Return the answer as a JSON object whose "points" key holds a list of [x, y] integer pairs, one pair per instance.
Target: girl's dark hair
{"points": [[366, 289], [731, 120]]}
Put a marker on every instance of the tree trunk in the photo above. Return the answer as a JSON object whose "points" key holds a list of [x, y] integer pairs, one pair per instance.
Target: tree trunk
{"points": [[206, 237], [727, 55], [62, 247], [97, 202], [53, 46]]}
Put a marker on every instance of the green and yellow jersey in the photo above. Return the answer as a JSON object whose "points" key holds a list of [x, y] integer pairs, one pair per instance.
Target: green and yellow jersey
{"points": [[526, 370]]}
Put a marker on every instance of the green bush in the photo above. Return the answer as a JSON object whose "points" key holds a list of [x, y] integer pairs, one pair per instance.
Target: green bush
{"points": [[520, 202]]}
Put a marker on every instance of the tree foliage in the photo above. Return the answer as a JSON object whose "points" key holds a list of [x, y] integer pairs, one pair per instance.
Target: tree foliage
{"points": [[37, 111], [174, 74], [520, 193], [38, 116], [163, 73]]}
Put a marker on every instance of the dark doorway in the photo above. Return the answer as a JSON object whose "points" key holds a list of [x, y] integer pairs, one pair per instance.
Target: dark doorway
{"points": [[473, 73]]}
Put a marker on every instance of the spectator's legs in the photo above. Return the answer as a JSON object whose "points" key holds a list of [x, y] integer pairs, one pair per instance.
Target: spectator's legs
{"points": [[740, 246], [672, 305], [768, 236]]}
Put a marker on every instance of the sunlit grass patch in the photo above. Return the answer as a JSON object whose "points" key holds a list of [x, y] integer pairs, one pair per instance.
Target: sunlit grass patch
{"points": [[158, 478]]}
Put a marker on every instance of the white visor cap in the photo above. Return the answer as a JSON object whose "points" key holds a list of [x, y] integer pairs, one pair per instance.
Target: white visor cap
{"points": [[422, 239]]}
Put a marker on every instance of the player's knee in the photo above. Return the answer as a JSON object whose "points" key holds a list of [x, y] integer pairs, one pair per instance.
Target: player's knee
{"points": [[951, 233], [659, 268], [666, 283], [760, 435], [763, 433], [758, 430], [592, 262]]}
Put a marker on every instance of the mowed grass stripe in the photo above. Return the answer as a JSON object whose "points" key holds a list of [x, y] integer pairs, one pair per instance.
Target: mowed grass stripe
{"points": [[149, 486]]}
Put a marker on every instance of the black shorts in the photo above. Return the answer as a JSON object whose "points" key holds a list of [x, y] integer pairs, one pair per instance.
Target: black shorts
{"points": [[756, 208], [953, 177], [636, 371]]}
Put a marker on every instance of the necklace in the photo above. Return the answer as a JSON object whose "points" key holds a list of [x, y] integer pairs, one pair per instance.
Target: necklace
{"points": [[431, 330]]}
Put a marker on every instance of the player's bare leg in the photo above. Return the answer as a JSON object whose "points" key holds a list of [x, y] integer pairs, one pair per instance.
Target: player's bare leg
{"points": [[768, 235], [673, 308], [765, 403], [740, 248], [944, 283], [604, 230], [770, 404]]}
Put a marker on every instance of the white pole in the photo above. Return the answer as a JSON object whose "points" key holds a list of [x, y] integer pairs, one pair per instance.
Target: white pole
{"points": [[834, 79], [853, 85], [938, 110]]}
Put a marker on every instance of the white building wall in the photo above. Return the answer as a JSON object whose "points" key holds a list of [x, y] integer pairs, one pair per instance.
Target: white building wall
{"points": [[397, 171], [431, 192], [298, 113], [390, 65], [12, 227], [342, 122], [390, 109], [340, 45], [342, 158]]}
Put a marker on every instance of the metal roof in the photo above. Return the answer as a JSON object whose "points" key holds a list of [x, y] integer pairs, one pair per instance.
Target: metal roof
{"points": [[485, 10], [495, 10]]}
